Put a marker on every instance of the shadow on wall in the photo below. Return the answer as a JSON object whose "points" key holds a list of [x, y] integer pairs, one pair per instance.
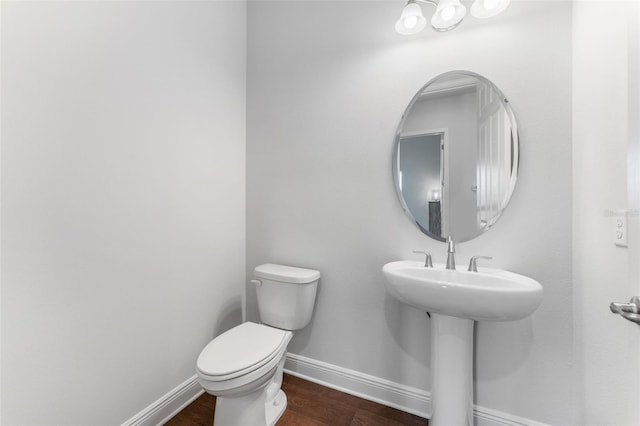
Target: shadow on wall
{"points": [[515, 338], [230, 316], [401, 321], [303, 336]]}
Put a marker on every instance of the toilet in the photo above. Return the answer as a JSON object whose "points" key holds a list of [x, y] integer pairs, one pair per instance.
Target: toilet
{"points": [[243, 366]]}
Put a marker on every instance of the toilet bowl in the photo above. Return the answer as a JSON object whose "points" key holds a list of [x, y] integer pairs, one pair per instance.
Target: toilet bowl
{"points": [[243, 366]]}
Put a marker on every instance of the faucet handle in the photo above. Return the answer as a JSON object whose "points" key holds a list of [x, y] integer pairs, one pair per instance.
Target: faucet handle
{"points": [[473, 264], [427, 261]]}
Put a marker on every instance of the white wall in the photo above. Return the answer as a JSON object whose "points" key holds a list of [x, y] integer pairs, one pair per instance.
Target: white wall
{"points": [[123, 129], [605, 86], [327, 85], [122, 180]]}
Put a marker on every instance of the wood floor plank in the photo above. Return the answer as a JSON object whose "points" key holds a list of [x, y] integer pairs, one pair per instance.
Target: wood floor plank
{"points": [[319, 402], [391, 414], [292, 418], [310, 404], [367, 418], [207, 400], [198, 413]]}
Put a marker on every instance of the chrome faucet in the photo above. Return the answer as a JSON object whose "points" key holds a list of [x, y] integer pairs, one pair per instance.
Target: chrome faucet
{"points": [[451, 261], [473, 263], [427, 261]]}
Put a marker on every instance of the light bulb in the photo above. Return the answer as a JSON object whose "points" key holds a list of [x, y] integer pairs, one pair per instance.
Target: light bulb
{"points": [[491, 4], [448, 13], [412, 20], [488, 8]]}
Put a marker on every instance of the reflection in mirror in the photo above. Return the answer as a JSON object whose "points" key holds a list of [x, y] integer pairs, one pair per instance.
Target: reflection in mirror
{"points": [[456, 156]]}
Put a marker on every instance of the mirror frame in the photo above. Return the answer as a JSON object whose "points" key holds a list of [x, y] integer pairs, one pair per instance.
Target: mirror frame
{"points": [[515, 143]]}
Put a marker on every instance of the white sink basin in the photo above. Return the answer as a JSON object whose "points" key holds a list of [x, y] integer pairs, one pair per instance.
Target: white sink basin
{"points": [[488, 295]]}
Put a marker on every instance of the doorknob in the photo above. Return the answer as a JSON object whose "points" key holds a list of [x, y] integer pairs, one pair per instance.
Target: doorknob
{"points": [[629, 311]]}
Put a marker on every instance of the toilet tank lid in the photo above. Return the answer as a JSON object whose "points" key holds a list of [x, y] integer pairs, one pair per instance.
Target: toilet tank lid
{"points": [[286, 274]]}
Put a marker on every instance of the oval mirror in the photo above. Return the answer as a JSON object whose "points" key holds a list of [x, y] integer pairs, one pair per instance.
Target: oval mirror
{"points": [[456, 156]]}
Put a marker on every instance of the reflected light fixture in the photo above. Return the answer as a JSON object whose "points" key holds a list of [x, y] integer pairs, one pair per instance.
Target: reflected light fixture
{"points": [[448, 14]]}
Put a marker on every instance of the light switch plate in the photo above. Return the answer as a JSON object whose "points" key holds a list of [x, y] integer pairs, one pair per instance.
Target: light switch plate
{"points": [[620, 228]]}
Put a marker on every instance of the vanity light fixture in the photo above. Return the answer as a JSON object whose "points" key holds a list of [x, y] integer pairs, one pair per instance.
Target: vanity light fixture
{"points": [[448, 14]]}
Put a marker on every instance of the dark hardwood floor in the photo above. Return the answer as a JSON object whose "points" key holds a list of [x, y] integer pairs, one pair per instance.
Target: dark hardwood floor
{"points": [[309, 404]]}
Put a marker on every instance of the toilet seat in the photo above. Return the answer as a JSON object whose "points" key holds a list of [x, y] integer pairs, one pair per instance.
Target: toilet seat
{"points": [[242, 356]]}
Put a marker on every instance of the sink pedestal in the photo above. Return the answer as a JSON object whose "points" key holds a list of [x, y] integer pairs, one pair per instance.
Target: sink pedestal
{"points": [[451, 371], [461, 297]]}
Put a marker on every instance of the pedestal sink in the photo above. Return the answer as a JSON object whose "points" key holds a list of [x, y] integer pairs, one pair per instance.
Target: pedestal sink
{"points": [[455, 299]]}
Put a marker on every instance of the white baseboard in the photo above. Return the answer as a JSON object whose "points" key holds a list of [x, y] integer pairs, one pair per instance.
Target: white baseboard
{"points": [[385, 392], [405, 398], [487, 417], [169, 405]]}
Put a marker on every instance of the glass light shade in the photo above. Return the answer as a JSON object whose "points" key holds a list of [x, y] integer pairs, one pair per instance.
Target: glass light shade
{"points": [[488, 8], [412, 20], [449, 14]]}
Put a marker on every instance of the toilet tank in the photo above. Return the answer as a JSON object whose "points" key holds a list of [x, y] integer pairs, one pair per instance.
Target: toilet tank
{"points": [[286, 295]]}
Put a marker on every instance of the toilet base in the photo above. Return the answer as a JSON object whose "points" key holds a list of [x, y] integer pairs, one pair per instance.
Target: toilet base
{"points": [[275, 408], [250, 410], [260, 402]]}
